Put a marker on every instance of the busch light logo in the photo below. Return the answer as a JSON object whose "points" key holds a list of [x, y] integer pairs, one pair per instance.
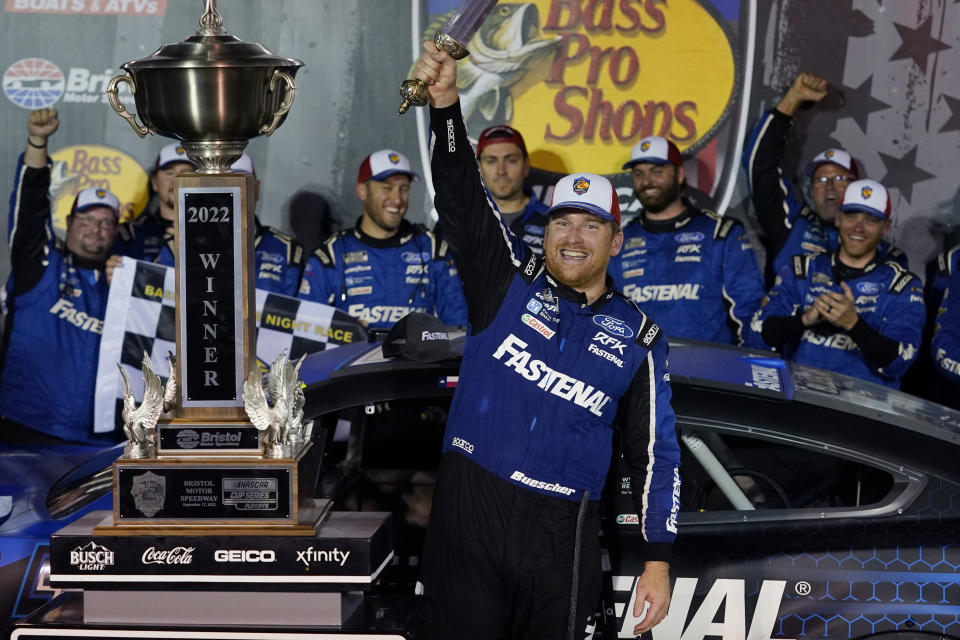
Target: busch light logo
{"points": [[688, 236], [33, 83], [394, 158], [580, 186], [868, 288], [613, 325], [415, 257], [91, 557], [534, 306], [866, 192]]}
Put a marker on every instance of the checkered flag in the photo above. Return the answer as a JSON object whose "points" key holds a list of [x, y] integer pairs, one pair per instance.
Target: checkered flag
{"points": [[140, 317]]}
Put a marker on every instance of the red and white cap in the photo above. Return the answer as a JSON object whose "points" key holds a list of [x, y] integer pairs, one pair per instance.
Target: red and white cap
{"points": [[384, 163], [244, 165], [170, 154], [838, 157], [586, 192], [95, 197], [500, 133], [655, 150], [868, 196]]}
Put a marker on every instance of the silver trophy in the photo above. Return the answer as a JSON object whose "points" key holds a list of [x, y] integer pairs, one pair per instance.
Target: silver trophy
{"points": [[140, 420], [277, 411], [213, 91]]}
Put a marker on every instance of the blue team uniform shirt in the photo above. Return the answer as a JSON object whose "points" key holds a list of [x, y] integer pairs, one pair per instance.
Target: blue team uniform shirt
{"points": [[696, 275], [381, 281], [886, 296], [56, 304], [945, 345]]}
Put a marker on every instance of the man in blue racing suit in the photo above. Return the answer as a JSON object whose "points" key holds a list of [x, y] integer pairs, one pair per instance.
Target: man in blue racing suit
{"points": [[385, 267], [693, 271], [278, 257], [791, 227], [945, 346], [57, 297], [555, 360], [848, 310]]}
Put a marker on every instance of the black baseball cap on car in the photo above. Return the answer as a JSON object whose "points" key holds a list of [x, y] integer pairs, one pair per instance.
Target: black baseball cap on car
{"points": [[419, 336]]}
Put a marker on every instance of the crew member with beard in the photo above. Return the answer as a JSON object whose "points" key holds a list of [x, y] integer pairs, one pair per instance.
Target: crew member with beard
{"points": [[385, 267], [57, 296], [693, 271], [791, 227], [848, 310], [557, 365]]}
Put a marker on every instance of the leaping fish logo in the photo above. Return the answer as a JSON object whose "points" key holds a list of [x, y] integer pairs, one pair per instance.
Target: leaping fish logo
{"points": [[505, 47], [394, 158], [580, 186], [866, 192]]}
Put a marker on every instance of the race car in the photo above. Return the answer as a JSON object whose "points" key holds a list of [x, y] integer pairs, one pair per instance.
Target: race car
{"points": [[814, 505]]}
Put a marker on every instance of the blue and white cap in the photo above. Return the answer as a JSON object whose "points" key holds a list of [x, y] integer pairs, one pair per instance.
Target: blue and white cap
{"points": [[868, 196], [384, 163], [95, 197], [655, 150], [587, 192], [838, 157], [170, 154]]}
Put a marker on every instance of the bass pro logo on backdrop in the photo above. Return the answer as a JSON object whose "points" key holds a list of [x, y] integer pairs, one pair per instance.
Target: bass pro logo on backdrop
{"points": [[80, 167], [584, 80]]}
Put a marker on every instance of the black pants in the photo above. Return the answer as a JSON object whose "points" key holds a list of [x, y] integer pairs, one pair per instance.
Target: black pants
{"points": [[498, 560]]}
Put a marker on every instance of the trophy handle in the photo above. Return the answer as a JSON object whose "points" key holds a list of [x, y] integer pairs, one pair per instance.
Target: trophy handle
{"points": [[114, 98], [288, 97]]}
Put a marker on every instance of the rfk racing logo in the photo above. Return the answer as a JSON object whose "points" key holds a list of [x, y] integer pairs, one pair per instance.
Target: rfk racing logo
{"points": [[722, 613], [91, 557]]}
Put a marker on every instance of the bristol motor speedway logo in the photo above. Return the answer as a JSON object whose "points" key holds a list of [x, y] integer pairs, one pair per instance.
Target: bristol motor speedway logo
{"points": [[36, 83]]}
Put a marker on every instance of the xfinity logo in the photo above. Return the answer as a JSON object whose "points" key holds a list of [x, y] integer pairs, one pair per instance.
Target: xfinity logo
{"points": [[310, 555], [244, 555], [177, 555], [91, 557]]}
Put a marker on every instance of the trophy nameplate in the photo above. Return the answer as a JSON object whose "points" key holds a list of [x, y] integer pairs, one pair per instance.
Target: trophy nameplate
{"points": [[212, 438]]}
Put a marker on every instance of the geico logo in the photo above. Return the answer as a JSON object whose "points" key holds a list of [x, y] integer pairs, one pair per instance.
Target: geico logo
{"points": [[662, 292], [549, 380], [244, 555], [381, 313], [65, 310], [723, 612]]}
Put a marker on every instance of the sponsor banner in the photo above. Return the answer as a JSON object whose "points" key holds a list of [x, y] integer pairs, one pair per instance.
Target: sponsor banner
{"points": [[355, 550], [79, 167], [89, 7], [35, 83]]}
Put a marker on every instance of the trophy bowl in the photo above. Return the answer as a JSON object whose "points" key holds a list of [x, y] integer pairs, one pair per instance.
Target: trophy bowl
{"points": [[213, 91]]}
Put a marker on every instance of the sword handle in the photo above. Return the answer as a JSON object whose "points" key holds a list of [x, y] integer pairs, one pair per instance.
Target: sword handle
{"points": [[414, 92]]}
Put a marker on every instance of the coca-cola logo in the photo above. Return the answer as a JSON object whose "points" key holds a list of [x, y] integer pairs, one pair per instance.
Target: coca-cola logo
{"points": [[177, 555]]}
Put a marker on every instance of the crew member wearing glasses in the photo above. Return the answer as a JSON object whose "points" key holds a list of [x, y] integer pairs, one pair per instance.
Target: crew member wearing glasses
{"points": [[790, 225], [56, 298]]}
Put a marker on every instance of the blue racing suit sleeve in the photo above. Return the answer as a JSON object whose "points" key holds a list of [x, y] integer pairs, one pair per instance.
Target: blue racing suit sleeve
{"points": [[903, 321], [451, 304], [321, 279], [782, 301], [945, 345], [774, 199], [30, 229], [652, 452], [742, 280]]}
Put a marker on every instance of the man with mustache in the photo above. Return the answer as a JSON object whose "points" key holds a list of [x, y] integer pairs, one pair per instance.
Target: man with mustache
{"points": [[57, 296], [693, 271], [848, 310], [555, 364], [790, 226], [385, 267]]}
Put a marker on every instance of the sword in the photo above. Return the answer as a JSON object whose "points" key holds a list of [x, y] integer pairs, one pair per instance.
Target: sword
{"points": [[452, 38]]}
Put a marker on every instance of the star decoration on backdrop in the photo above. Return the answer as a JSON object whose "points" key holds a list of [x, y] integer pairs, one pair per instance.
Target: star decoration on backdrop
{"points": [[917, 44], [953, 124], [859, 103], [903, 173]]}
